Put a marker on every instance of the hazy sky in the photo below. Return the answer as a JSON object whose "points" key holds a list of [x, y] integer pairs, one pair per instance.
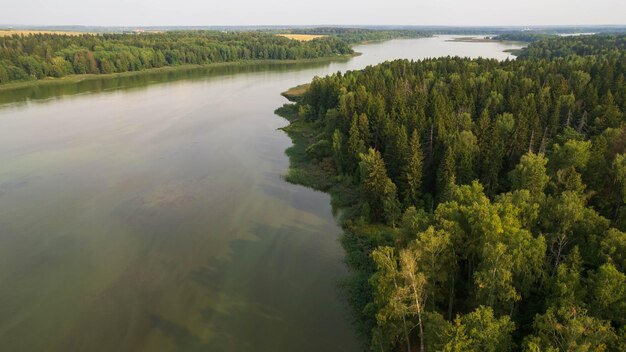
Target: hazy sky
{"points": [[276, 12]]}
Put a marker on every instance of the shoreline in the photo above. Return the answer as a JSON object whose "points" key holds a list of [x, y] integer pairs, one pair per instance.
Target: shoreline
{"points": [[478, 39], [485, 39], [320, 175], [88, 77]]}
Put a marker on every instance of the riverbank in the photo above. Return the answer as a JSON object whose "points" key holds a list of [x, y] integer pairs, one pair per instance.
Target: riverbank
{"points": [[514, 52], [472, 40], [310, 168], [86, 77], [308, 164]]}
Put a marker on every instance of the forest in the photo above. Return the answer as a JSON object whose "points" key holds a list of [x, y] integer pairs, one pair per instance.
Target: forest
{"points": [[361, 35], [38, 56], [483, 200], [564, 46]]}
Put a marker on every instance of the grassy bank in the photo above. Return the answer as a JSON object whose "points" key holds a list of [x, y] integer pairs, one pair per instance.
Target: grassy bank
{"points": [[295, 93], [309, 166], [515, 52], [85, 77]]}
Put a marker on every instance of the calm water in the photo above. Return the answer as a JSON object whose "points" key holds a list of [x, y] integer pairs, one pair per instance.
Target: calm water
{"points": [[149, 214]]}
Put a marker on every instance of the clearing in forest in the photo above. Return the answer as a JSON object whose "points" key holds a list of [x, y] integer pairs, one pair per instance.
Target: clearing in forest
{"points": [[9, 32], [302, 37]]}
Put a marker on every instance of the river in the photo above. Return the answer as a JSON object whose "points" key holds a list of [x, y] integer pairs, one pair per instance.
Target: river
{"points": [[149, 213]]}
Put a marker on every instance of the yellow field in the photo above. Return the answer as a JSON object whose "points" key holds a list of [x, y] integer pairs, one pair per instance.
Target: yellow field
{"points": [[7, 32], [301, 37]]}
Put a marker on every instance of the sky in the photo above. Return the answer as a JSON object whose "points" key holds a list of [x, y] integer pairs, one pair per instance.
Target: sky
{"points": [[311, 12]]}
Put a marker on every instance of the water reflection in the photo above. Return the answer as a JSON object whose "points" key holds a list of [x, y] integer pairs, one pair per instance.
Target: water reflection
{"points": [[139, 80]]}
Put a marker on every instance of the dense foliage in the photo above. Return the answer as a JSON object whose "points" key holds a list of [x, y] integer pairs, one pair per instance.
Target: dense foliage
{"points": [[490, 209], [38, 56], [564, 46]]}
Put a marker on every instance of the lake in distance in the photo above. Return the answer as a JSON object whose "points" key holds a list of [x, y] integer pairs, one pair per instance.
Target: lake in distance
{"points": [[149, 213]]}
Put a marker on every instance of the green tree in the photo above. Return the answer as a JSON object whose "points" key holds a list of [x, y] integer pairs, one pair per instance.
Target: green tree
{"points": [[414, 222], [467, 154], [488, 333], [356, 145], [573, 153], [494, 278], [338, 153], [413, 172], [479, 331], [446, 177], [456, 339], [493, 152], [567, 288], [568, 179], [619, 168], [608, 294], [530, 173], [569, 328], [561, 215], [378, 189], [60, 67], [611, 115], [613, 249], [414, 290], [391, 316], [435, 258]]}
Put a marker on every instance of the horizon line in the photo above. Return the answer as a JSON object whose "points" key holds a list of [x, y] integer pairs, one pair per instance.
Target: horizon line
{"points": [[319, 25]]}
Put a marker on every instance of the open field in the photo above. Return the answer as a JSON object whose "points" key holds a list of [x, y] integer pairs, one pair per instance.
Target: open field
{"points": [[7, 32], [301, 37]]}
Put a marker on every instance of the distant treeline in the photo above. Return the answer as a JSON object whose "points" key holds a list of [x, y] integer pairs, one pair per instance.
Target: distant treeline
{"points": [[557, 46], [39, 56], [523, 37], [360, 35], [484, 200], [553, 30]]}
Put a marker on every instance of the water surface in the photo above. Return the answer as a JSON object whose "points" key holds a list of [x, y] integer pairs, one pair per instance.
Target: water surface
{"points": [[148, 213]]}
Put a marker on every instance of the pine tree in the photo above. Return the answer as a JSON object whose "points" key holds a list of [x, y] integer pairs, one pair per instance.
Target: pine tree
{"points": [[338, 153], [446, 177], [356, 145], [413, 172], [379, 191]]}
